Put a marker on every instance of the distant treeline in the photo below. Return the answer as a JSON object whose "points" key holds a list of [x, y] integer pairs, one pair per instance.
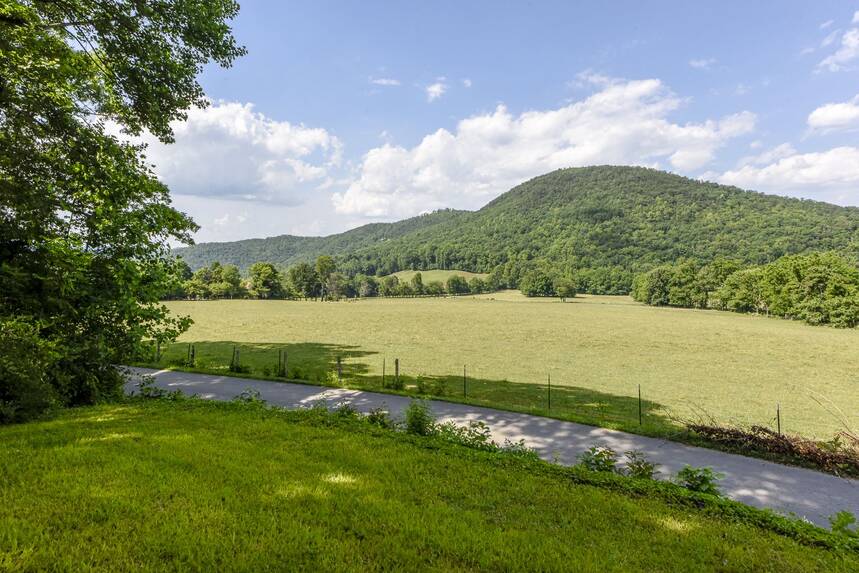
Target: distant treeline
{"points": [[322, 281], [818, 288]]}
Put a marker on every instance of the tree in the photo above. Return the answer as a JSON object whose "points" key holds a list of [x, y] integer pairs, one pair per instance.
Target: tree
{"points": [[366, 286], [265, 281], [565, 288], [476, 285], [85, 224], [304, 280], [325, 267], [457, 285], [537, 282], [434, 288], [389, 286], [418, 284]]}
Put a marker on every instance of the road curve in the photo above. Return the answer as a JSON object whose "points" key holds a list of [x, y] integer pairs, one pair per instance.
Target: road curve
{"points": [[806, 493]]}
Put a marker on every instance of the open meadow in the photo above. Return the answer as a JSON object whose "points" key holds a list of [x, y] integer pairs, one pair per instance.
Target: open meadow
{"points": [[597, 350]]}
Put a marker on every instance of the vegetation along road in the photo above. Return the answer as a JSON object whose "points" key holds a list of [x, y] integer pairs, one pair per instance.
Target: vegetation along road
{"points": [[806, 493]]}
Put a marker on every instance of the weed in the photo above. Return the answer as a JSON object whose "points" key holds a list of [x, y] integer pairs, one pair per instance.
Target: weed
{"points": [[637, 465], [419, 419], [701, 480], [599, 459]]}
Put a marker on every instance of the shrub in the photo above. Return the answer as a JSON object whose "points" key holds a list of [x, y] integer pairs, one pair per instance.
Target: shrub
{"points": [[638, 467], [345, 410], [250, 396], [519, 449], [419, 419], [25, 390], [701, 480], [474, 435], [379, 417], [841, 522], [597, 459]]}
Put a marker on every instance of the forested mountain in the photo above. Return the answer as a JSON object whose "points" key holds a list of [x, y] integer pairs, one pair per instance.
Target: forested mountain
{"points": [[600, 224], [285, 250]]}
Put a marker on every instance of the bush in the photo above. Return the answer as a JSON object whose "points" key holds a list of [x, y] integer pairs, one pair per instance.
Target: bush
{"points": [[841, 524], [251, 397], [638, 467], [474, 435], [419, 419], [345, 410], [25, 391], [379, 417], [701, 480], [597, 459]]}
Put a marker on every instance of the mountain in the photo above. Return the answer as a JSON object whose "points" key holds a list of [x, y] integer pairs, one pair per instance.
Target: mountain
{"points": [[602, 223]]}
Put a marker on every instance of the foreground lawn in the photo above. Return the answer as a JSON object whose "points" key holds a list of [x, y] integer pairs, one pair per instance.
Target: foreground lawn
{"points": [[689, 363], [192, 485]]}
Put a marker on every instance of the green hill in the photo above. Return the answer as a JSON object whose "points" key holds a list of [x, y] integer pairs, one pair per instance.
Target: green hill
{"points": [[602, 223]]}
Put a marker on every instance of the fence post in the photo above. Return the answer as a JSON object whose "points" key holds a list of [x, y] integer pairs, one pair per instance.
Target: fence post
{"points": [[193, 355], [339, 370], [464, 383], [639, 404], [157, 351], [383, 372], [397, 371], [285, 363], [549, 389], [778, 416]]}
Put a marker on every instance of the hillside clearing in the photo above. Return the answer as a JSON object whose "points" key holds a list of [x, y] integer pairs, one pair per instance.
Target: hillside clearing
{"points": [[689, 363], [437, 275], [192, 485]]}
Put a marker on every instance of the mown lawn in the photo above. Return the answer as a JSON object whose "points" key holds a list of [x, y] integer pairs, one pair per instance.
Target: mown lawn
{"points": [[202, 486], [690, 364]]}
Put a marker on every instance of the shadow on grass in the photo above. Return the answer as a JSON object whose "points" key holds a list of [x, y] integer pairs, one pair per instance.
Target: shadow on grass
{"points": [[318, 363]]}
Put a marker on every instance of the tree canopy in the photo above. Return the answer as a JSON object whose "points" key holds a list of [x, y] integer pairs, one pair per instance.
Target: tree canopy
{"points": [[84, 224]]}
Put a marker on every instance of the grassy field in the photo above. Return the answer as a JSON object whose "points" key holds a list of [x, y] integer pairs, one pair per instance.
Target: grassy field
{"points": [[689, 363], [200, 486], [437, 275]]}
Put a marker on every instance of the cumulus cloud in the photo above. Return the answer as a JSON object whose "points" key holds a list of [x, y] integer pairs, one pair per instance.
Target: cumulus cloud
{"points": [[466, 83], [702, 64], [624, 122], [385, 81], [829, 174], [436, 90], [228, 150], [846, 53], [855, 17], [835, 116]]}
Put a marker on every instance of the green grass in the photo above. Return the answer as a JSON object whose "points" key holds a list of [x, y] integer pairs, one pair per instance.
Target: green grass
{"points": [[201, 486], [437, 275], [598, 350]]}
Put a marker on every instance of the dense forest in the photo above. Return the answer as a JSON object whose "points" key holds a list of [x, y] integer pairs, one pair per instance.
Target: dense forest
{"points": [[818, 288], [601, 225]]}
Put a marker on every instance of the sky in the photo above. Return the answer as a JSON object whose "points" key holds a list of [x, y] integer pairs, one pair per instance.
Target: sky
{"points": [[346, 113]]}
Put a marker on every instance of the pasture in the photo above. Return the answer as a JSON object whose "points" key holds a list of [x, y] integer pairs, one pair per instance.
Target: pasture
{"points": [[192, 485], [437, 275], [597, 350]]}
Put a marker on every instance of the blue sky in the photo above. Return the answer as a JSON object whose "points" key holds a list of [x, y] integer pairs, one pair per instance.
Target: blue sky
{"points": [[344, 113]]}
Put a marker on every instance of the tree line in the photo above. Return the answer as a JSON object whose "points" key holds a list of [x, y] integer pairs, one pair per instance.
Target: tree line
{"points": [[322, 281], [818, 288]]}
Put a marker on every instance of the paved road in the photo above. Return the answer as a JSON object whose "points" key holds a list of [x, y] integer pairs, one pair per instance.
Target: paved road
{"points": [[806, 493]]}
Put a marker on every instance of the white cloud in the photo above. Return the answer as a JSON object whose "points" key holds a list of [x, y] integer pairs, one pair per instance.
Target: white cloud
{"points": [[830, 38], [624, 122], [228, 150], [855, 17], [768, 156], [829, 175], [835, 116], [826, 24], [847, 52], [385, 81], [702, 64], [466, 83], [436, 90]]}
